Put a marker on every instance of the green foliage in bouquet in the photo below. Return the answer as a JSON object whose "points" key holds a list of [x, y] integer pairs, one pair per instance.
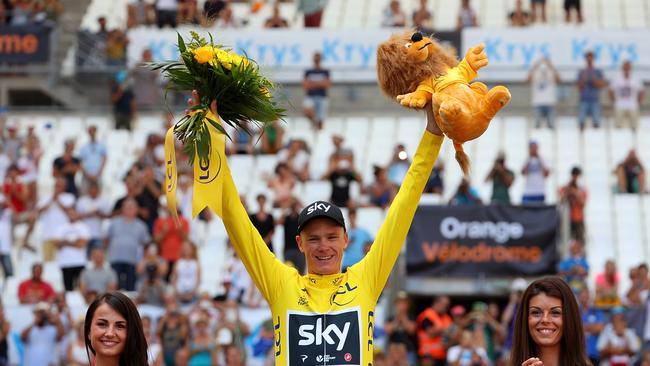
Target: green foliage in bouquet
{"points": [[242, 93]]}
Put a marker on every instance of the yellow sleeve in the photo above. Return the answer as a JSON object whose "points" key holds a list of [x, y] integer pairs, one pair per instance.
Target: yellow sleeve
{"points": [[379, 261], [427, 86], [466, 71], [265, 269]]}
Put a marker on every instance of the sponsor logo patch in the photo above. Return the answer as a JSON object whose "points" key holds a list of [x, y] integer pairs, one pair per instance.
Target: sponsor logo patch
{"points": [[332, 339]]}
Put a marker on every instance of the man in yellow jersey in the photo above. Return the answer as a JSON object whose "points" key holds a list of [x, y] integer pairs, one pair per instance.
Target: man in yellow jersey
{"points": [[327, 317]]}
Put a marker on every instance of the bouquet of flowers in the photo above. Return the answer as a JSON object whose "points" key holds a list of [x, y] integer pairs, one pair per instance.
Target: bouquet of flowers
{"points": [[243, 94]]}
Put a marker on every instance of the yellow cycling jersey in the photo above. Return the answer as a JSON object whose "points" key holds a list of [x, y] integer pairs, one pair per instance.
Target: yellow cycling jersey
{"points": [[328, 319]]}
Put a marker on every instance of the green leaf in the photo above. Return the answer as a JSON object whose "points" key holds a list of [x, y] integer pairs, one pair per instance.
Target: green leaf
{"points": [[219, 127], [181, 43]]}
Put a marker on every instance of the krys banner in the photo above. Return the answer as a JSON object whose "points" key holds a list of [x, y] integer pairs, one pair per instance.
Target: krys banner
{"points": [[24, 44], [464, 241]]}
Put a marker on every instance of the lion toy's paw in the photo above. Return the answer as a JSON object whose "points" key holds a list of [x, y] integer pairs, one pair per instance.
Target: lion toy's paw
{"points": [[476, 57], [412, 100]]}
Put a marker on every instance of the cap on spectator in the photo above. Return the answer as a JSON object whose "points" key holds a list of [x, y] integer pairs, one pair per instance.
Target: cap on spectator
{"points": [[402, 295], [320, 209], [479, 306], [519, 284], [458, 310], [41, 306]]}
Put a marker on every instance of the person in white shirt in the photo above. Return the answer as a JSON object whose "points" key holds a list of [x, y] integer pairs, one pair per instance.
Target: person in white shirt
{"points": [[5, 163], [186, 275], [41, 337], [71, 241], [617, 343], [543, 79], [51, 214], [93, 209], [467, 353], [626, 92], [536, 172]]}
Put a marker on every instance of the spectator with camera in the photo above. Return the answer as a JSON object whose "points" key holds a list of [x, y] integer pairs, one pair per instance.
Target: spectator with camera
{"points": [[575, 197], [152, 290], [486, 330], [41, 337], [173, 331], [630, 174], [502, 179]]}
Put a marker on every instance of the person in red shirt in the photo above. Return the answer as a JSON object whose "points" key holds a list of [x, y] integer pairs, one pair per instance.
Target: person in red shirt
{"points": [[431, 325], [35, 290], [576, 197], [170, 235], [15, 191]]}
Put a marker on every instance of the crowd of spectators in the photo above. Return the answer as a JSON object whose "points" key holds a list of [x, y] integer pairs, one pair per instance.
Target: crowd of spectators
{"points": [[625, 91], [452, 333], [26, 12]]}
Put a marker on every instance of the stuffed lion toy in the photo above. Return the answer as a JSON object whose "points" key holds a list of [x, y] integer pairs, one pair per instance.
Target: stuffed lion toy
{"points": [[415, 70]]}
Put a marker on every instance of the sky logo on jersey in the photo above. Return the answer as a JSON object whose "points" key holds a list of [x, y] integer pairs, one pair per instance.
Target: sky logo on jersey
{"points": [[332, 339]]}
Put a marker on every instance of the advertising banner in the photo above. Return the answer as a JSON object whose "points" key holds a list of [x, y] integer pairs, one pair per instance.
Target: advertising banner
{"points": [[24, 44], [512, 51], [465, 241], [285, 53]]}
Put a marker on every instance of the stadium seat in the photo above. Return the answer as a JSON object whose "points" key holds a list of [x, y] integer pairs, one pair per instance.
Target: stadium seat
{"points": [[445, 14], [316, 190], [241, 167], [629, 235], [370, 218], [612, 16], [634, 14], [332, 14], [353, 12]]}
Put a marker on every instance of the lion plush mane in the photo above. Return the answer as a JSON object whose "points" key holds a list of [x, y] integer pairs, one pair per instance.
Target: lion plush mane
{"points": [[395, 79]]}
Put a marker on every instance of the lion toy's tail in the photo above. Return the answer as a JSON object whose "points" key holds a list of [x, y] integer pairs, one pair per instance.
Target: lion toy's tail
{"points": [[462, 159]]}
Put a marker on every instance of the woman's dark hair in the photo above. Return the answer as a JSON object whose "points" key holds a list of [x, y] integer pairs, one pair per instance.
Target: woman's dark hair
{"points": [[572, 351], [135, 349]]}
